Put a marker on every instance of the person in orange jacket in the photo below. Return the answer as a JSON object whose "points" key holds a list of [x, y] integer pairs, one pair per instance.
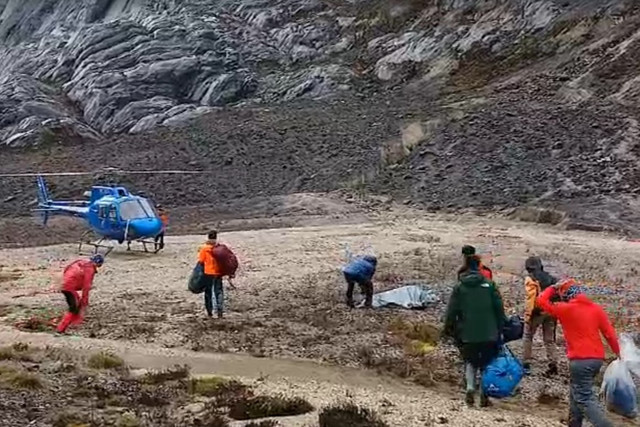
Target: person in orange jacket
{"points": [[583, 322], [164, 217], [469, 252], [536, 281], [212, 275], [78, 276]]}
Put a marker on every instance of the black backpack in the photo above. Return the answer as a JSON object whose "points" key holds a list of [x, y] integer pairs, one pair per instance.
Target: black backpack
{"points": [[545, 280]]}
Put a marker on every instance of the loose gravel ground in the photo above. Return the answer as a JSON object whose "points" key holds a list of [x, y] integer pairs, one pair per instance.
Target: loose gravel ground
{"points": [[289, 303]]}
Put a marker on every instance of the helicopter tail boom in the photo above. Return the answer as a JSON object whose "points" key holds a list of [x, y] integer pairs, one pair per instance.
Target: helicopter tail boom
{"points": [[47, 207]]}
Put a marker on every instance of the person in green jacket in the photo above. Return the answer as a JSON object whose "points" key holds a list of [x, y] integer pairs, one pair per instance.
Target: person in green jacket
{"points": [[475, 318]]}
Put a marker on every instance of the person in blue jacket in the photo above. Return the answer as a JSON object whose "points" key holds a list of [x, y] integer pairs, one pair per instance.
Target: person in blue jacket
{"points": [[360, 270]]}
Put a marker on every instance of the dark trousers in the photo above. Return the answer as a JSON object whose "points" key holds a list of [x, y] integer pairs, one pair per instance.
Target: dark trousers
{"points": [[72, 301], [583, 402], [479, 354], [477, 357], [160, 240], [365, 287], [213, 287]]}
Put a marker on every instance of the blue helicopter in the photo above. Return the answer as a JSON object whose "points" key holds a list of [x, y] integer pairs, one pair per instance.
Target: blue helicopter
{"points": [[112, 213]]}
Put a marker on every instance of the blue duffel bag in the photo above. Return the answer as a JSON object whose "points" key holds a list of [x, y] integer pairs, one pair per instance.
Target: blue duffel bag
{"points": [[503, 375], [619, 390]]}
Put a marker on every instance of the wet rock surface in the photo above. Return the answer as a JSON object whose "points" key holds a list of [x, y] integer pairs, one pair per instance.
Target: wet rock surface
{"points": [[447, 105]]}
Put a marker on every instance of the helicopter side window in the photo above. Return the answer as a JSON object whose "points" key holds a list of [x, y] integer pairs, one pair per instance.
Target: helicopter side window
{"points": [[113, 214], [102, 212]]}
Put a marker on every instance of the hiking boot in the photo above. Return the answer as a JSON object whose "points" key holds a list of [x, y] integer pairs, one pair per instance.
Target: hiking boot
{"points": [[526, 367], [484, 401], [552, 370], [220, 315], [469, 398]]}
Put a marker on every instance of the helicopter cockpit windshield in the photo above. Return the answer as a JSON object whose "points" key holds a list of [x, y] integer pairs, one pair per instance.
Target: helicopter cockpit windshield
{"points": [[148, 208], [133, 209]]}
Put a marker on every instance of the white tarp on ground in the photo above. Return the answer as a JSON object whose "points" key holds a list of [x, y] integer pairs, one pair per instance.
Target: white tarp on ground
{"points": [[412, 296]]}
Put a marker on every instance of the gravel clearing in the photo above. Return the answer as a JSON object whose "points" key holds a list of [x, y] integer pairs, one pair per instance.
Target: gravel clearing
{"points": [[289, 304]]}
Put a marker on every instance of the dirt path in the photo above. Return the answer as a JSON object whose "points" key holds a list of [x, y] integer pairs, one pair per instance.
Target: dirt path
{"points": [[321, 384], [231, 365]]}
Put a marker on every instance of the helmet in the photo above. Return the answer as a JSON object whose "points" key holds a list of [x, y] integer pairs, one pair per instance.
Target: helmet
{"points": [[97, 259]]}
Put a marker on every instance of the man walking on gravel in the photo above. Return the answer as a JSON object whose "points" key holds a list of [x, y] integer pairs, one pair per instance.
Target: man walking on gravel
{"points": [[78, 276], [218, 261], [583, 321], [474, 319], [535, 283]]}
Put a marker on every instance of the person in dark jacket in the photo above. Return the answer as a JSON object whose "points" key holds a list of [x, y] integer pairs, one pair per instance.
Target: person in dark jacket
{"points": [[360, 270], [469, 253], [474, 319], [535, 283]]}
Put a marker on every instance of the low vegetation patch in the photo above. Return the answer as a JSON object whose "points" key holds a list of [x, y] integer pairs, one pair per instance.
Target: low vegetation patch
{"points": [[226, 392], [25, 380], [6, 353], [128, 420], [268, 406], [69, 418], [215, 420], [349, 414], [18, 351], [170, 374], [265, 423], [105, 361], [34, 324]]}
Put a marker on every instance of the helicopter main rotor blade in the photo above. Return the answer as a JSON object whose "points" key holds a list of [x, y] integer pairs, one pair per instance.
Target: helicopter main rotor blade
{"points": [[115, 171]]}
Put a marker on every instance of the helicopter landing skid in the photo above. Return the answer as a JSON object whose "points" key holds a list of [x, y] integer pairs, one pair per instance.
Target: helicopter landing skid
{"points": [[149, 246], [85, 240]]}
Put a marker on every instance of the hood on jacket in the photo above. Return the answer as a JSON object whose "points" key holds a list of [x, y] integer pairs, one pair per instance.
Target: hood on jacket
{"points": [[472, 279], [371, 259], [534, 267]]}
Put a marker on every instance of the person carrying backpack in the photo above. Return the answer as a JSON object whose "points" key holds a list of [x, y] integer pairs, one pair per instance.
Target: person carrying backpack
{"points": [[583, 322], [360, 270], [218, 261], [475, 319], [77, 276], [535, 283]]}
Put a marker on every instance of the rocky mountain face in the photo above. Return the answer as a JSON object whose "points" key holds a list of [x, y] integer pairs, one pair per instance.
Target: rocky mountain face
{"points": [[447, 103], [100, 67]]}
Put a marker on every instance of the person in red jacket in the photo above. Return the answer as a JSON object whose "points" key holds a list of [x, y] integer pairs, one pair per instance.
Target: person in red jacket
{"points": [[469, 253], [583, 321], [78, 276]]}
